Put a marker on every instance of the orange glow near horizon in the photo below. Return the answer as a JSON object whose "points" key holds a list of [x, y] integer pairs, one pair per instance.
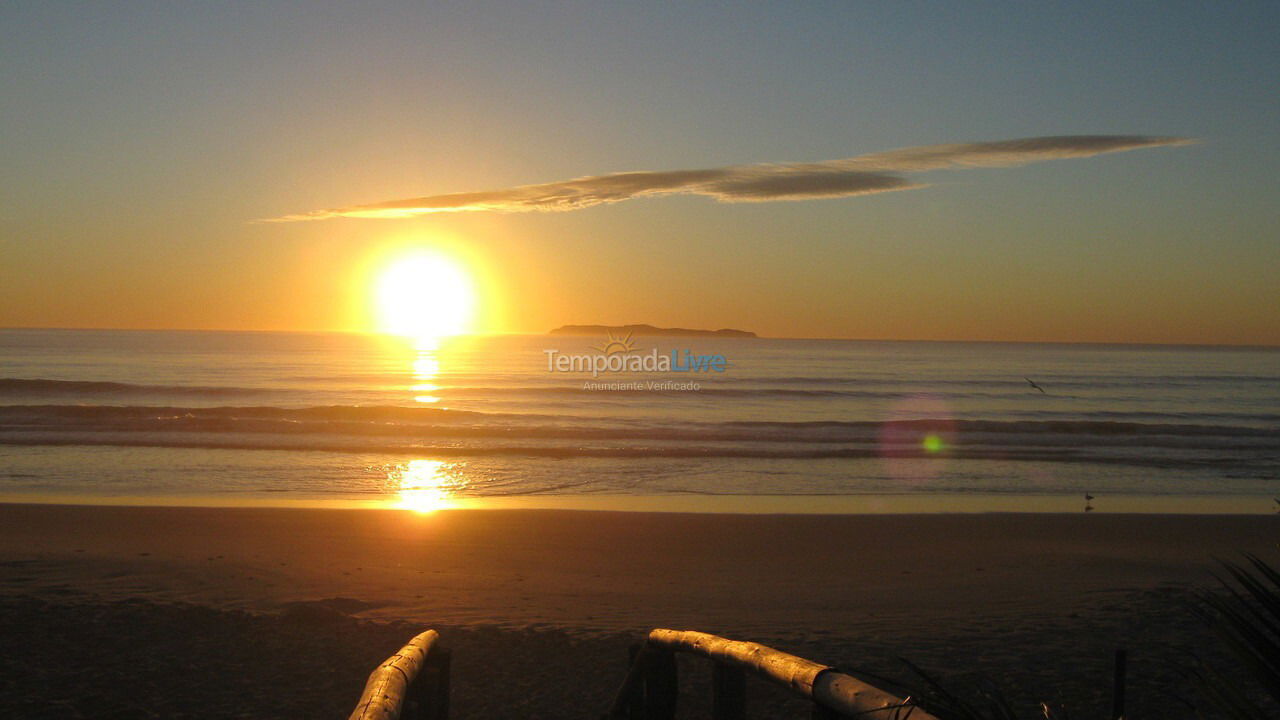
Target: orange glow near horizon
{"points": [[424, 296]]}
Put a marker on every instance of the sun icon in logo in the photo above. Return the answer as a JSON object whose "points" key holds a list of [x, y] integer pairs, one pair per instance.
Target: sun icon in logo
{"points": [[617, 344]]}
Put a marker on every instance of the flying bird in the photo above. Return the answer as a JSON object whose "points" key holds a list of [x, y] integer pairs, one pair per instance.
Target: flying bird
{"points": [[1088, 497], [1032, 383]]}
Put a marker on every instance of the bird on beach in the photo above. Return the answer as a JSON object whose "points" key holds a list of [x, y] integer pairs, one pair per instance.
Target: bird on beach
{"points": [[1088, 497], [1034, 385]]}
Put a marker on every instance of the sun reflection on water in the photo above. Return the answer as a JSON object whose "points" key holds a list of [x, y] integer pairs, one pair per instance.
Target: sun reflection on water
{"points": [[426, 367], [425, 486]]}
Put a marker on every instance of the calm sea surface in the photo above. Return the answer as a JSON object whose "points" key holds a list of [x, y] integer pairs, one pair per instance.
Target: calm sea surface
{"points": [[789, 425]]}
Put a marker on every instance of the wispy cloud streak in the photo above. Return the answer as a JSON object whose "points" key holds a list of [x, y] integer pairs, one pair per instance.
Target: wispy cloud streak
{"points": [[847, 177]]}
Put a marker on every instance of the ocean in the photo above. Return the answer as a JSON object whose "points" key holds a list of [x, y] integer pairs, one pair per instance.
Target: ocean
{"points": [[773, 425]]}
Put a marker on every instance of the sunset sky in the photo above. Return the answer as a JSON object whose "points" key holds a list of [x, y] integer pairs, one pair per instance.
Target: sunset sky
{"points": [[146, 146]]}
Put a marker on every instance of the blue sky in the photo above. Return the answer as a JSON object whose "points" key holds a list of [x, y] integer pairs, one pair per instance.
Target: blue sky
{"points": [[141, 139]]}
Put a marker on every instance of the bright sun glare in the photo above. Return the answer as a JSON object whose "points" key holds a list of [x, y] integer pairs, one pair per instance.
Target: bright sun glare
{"points": [[425, 486], [425, 296]]}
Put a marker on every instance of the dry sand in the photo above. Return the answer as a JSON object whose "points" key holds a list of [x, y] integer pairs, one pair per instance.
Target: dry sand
{"points": [[215, 612]]}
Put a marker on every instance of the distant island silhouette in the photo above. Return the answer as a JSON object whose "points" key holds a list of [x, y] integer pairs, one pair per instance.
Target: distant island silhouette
{"points": [[647, 330]]}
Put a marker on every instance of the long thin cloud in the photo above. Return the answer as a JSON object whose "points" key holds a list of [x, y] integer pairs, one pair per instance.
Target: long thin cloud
{"points": [[847, 177]]}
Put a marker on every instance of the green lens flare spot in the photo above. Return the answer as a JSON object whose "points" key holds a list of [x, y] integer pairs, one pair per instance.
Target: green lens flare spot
{"points": [[932, 443]]}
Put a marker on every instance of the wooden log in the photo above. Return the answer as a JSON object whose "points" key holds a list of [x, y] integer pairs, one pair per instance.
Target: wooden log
{"points": [[847, 695], [844, 694], [789, 671], [385, 693]]}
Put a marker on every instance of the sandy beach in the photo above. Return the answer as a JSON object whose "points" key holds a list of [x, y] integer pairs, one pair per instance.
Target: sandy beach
{"points": [[934, 344], [540, 606]]}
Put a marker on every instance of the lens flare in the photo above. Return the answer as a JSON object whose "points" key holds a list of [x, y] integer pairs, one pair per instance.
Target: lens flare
{"points": [[916, 438], [932, 443]]}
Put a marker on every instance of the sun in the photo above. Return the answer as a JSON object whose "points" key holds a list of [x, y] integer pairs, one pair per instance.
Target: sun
{"points": [[424, 296]]}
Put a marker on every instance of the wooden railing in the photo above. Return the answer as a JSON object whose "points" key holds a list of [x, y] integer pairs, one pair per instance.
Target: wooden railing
{"points": [[413, 684], [651, 686]]}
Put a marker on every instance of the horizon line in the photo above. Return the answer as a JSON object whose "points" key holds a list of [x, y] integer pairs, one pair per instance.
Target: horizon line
{"points": [[1129, 343]]}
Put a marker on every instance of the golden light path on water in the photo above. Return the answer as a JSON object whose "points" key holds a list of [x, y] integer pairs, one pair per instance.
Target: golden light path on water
{"points": [[425, 486], [426, 367], [424, 296]]}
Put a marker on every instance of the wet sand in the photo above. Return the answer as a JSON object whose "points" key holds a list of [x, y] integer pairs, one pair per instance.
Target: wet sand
{"points": [[540, 605]]}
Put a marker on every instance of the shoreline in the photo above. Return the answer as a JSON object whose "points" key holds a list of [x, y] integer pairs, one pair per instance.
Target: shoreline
{"points": [[710, 504]]}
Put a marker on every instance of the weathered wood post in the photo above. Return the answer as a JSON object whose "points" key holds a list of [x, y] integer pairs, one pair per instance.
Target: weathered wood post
{"points": [[635, 703], [729, 692], [822, 713], [1117, 696], [417, 698], [436, 685], [661, 685]]}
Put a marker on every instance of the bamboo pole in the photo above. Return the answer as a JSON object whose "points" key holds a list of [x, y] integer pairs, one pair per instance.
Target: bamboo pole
{"points": [[385, 693]]}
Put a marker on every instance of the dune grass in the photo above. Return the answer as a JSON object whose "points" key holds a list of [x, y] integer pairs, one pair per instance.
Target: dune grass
{"points": [[1246, 615]]}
